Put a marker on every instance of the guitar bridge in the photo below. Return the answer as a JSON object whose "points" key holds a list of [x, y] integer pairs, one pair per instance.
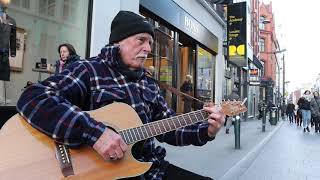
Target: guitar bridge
{"points": [[64, 159]]}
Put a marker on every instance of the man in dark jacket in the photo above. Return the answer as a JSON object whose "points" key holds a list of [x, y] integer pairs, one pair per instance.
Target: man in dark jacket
{"points": [[290, 111], [56, 106]]}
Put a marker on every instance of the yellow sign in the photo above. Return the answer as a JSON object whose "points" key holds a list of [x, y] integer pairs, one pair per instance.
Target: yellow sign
{"points": [[237, 50]]}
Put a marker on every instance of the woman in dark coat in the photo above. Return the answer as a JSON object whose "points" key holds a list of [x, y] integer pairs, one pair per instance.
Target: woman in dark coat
{"points": [[304, 106], [68, 55]]}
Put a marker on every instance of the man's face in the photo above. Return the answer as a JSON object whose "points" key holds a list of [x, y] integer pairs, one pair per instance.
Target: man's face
{"points": [[135, 49]]}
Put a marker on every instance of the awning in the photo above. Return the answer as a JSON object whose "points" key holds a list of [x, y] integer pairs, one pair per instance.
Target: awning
{"points": [[257, 62]]}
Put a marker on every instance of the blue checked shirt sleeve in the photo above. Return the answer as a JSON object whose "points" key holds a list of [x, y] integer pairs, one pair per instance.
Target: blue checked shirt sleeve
{"points": [[196, 134], [55, 105]]}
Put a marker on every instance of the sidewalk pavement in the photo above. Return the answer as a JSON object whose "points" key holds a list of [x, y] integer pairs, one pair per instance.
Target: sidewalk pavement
{"points": [[290, 154], [219, 159]]}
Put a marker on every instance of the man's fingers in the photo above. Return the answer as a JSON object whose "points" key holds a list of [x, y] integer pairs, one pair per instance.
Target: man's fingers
{"points": [[123, 146]]}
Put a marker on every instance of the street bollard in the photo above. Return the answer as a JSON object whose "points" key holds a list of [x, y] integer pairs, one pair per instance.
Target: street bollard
{"points": [[237, 132], [264, 119]]}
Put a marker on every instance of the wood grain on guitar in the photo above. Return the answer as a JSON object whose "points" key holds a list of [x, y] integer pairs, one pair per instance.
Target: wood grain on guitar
{"points": [[26, 153]]}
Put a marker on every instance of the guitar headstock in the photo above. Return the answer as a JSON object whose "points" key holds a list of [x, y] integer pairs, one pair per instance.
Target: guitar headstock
{"points": [[232, 108]]}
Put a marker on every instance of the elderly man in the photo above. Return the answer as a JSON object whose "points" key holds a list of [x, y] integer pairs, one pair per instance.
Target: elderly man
{"points": [[55, 105]]}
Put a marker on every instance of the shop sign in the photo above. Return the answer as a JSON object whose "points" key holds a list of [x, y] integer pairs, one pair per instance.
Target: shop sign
{"points": [[237, 33]]}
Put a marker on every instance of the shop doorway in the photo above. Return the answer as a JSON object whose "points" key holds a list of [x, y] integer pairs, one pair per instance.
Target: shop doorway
{"points": [[186, 73]]}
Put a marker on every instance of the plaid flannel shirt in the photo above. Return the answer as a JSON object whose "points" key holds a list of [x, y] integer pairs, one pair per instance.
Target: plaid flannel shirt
{"points": [[55, 107]]}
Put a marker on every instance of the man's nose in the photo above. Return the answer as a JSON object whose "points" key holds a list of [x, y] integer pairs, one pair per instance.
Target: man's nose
{"points": [[147, 47]]}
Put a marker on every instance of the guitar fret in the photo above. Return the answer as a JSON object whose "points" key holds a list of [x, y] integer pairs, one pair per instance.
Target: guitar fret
{"points": [[135, 130], [189, 119], [159, 128], [155, 133], [169, 127], [129, 132], [185, 121], [201, 113], [129, 137], [172, 126], [148, 132], [125, 135], [140, 133], [164, 127], [178, 121], [193, 118]]}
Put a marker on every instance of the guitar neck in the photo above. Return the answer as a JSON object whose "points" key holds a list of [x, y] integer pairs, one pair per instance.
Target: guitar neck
{"points": [[163, 126]]}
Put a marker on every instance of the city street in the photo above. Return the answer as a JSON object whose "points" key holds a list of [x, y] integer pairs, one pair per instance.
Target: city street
{"points": [[216, 158], [290, 154], [282, 152]]}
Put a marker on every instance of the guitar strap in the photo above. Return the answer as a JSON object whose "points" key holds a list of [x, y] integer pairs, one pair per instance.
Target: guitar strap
{"points": [[172, 89]]}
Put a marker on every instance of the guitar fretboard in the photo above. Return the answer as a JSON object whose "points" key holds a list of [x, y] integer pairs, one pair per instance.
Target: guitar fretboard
{"points": [[156, 128]]}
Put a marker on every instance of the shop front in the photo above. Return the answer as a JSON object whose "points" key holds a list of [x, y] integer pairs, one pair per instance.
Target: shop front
{"points": [[41, 26], [184, 52]]}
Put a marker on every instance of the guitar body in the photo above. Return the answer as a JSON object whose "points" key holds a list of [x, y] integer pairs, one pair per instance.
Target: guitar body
{"points": [[26, 153]]}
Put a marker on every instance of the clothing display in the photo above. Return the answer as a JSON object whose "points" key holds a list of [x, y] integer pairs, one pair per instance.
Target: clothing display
{"points": [[7, 45]]}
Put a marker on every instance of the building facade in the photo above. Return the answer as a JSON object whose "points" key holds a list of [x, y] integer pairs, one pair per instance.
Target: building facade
{"points": [[188, 40], [268, 45]]}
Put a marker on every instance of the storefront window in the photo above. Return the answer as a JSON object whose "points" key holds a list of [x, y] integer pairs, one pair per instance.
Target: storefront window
{"points": [[160, 61], [42, 25], [205, 75]]}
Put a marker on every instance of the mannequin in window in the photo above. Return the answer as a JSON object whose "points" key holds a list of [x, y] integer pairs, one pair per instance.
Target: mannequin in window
{"points": [[7, 40]]}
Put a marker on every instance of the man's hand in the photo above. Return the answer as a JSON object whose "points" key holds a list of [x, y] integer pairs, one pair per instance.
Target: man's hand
{"points": [[110, 145], [216, 119]]}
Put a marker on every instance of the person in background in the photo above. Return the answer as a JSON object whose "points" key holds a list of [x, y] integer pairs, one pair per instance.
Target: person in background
{"points": [[57, 105], [187, 87], [290, 111], [315, 111], [231, 97], [68, 55], [304, 106]]}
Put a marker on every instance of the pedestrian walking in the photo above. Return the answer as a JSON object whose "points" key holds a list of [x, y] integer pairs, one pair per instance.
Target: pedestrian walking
{"points": [[290, 111], [315, 111], [304, 105]]}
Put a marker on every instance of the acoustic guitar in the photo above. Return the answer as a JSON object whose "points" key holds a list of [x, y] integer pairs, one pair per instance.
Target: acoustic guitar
{"points": [[26, 153]]}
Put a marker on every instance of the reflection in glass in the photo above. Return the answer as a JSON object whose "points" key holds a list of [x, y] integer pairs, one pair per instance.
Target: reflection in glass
{"points": [[205, 76]]}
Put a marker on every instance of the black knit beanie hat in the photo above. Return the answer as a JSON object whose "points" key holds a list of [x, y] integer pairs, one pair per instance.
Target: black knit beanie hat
{"points": [[126, 24]]}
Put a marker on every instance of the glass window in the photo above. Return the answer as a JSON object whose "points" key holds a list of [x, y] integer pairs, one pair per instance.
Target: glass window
{"points": [[47, 7], [186, 75], [70, 8], [160, 60], [21, 3], [38, 37], [262, 45], [205, 76], [262, 22]]}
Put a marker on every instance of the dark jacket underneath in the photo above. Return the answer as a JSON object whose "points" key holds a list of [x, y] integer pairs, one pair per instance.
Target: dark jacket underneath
{"points": [[304, 104], [290, 108]]}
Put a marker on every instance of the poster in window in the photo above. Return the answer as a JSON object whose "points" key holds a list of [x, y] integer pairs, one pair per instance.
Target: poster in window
{"points": [[16, 63]]}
